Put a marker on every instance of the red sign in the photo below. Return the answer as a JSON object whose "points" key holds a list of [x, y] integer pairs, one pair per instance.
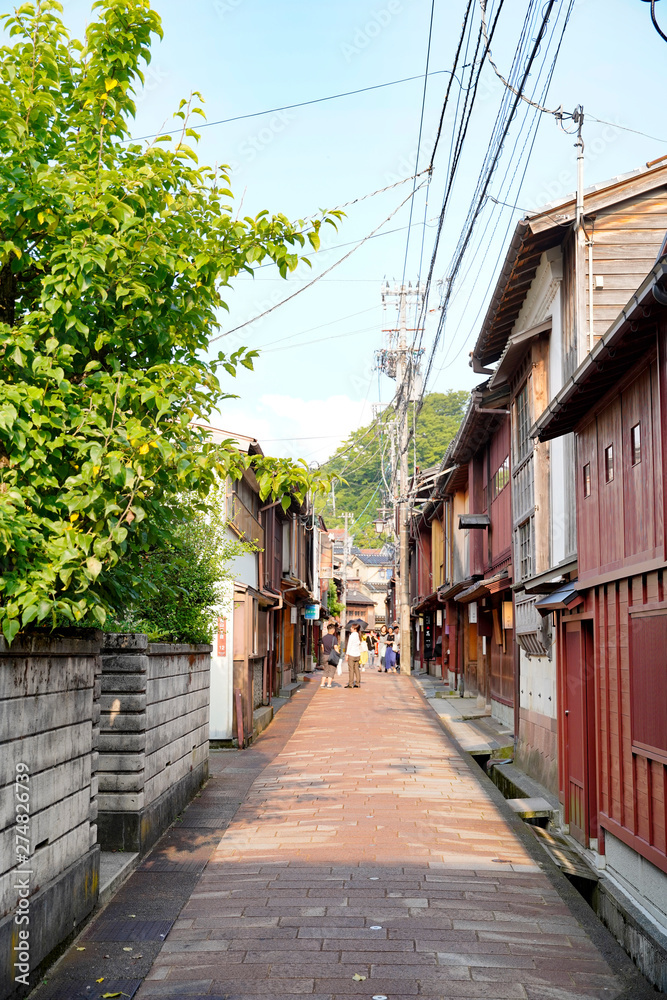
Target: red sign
{"points": [[222, 637]]}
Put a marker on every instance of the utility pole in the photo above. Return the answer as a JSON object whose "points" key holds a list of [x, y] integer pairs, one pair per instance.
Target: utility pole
{"points": [[401, 362], [402, 377], [345, 558], [584, 342]]}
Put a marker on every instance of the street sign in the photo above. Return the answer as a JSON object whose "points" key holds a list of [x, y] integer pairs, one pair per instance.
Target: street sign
{"points": [[221, 645], [429, 641], [311, 612]]}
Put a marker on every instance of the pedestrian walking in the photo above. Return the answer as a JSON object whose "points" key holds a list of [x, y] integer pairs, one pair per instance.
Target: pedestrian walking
{"points": [[382, 647], [371, 642], [353, 655], [397, 648], [363, 658], [390, 655], [331, 651]]}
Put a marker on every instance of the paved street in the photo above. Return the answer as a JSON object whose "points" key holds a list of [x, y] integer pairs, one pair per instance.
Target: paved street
{"points": [[368, 847]]}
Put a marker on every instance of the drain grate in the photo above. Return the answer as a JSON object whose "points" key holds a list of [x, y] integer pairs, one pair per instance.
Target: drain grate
{"points": [[165, 865], [129, 930], [566, 857], [90, 990]]}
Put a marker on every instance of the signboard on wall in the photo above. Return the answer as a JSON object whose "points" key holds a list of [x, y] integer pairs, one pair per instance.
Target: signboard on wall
{"points": [[292, 616], [311, 612], [221, 639], [428, 636], [472, 612], [508, 614]]}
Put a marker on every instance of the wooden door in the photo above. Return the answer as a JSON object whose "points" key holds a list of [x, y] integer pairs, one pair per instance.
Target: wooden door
{"points": [[579, 732]]}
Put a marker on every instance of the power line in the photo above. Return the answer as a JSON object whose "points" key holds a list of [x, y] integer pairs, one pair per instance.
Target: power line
{"points": [[534, 127], [320, 340], [312, 329], [456, 147], [655, 22], [485, 178], [316, 279], [299, 104], [558, 112], [419, 139], [625, 128]]}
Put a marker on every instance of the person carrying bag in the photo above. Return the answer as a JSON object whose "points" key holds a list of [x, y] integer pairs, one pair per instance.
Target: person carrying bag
{"points": [[331, 650]]}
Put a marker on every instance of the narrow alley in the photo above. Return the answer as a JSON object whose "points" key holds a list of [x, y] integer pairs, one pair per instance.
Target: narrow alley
{"points": [[367, 857]]}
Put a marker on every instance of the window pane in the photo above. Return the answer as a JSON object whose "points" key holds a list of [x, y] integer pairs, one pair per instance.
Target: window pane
{"points": [[525, 550], [636, 438], [609, 463], [522, 423]]}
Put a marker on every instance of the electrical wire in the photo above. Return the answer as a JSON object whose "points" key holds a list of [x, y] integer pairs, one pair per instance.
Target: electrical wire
{"points": [[534, 127], [483, 185], [320, 340], [558, 112], [655, 22], [317, 278], [456, 147], [491, 160], [419, 139], [625, 128], [321, 326], [299, 104]]}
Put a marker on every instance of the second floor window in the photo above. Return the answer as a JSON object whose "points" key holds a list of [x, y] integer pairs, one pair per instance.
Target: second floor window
{"points": [[525, 550], [522, 417], [501, 478], [609, 463], [636, 444]]}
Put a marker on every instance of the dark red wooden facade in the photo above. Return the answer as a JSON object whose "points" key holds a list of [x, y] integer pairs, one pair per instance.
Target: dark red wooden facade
{"points": [[612, 663]]}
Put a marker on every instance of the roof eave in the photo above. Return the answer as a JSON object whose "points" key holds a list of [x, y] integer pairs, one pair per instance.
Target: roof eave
{"points": [[553, 422]]}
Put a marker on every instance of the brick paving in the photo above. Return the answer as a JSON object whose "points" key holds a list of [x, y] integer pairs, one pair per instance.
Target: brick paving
{"points": [[369, 847]]}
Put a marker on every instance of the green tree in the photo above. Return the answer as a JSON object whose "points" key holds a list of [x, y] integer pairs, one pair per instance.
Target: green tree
{"points": [[334, 606], [186, 577], [437, 423], [113, 259], [363, 461]]}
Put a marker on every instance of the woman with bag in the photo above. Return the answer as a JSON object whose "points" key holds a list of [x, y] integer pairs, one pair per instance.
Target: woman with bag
{"points": [[331, 651], [382, 647]]}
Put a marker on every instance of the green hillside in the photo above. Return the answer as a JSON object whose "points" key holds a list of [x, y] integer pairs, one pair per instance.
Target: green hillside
{"points": [[366, 454]]}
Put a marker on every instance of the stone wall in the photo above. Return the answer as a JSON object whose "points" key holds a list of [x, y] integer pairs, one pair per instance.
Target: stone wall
{"points": [[79, 708], [49, 724], [153, 737]]}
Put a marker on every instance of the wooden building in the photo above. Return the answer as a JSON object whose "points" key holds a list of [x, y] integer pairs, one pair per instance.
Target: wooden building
{"points": [[553, 300], [461, 566], [263, 638], [612, 620], [487, 658]]}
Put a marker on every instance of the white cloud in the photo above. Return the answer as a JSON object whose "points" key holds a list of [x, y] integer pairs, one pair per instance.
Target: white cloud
{"points": [[293, 427]]}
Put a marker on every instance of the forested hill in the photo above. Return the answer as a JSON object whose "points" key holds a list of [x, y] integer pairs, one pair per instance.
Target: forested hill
{"points": [[361, 459]]}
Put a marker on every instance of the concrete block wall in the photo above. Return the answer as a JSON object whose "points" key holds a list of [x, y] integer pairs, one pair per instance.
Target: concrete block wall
{"points": [[153, 736], [49, 717]]}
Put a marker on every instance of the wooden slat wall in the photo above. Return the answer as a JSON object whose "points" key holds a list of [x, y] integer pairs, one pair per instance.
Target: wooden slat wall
{"points": [[621, 522], [631, 785], [627, 238]]}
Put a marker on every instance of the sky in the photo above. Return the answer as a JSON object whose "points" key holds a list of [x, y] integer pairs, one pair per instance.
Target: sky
{"points": [[316, 379]]}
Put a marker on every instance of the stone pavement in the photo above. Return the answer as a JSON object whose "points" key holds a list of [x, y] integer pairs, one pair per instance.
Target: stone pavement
{"points": [[370, 858]]}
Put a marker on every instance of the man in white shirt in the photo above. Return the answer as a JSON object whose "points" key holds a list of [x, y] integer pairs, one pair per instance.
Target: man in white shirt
{"points": [[353, 654]]}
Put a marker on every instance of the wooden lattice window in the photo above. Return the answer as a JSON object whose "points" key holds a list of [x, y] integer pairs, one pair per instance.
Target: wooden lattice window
{"points": [[648, 683]]}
